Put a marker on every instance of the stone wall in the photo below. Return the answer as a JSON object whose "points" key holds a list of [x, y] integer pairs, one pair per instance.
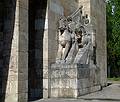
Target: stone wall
{"points": [[98, 19], [97, 13], [73, 80]]}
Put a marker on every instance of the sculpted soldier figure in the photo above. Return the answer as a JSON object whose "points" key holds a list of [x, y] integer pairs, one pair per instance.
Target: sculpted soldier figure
{"points": [[75, 40], [64, 41]]}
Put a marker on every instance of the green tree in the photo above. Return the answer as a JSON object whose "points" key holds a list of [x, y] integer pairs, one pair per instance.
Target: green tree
{"points": [[113, 36]]}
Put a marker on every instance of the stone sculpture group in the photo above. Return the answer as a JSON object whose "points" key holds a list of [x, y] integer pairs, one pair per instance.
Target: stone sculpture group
{"points": [[76, 40]]}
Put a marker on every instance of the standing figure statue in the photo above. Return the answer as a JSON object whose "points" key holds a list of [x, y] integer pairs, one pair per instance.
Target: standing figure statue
{"points": [[65, 41], [76, 40]]}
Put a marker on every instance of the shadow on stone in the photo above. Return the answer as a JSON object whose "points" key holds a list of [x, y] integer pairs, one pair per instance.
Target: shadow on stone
{"points": [[7, 22], [37, 14]]}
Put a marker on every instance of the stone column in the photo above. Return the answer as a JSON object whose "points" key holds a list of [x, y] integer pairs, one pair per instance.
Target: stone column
{"points": [[96, 10], [45, 57], [17, 80]]}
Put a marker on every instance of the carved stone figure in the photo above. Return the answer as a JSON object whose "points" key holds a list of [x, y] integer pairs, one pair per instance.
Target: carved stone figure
{"points": [[75, 40], [64, 41]]}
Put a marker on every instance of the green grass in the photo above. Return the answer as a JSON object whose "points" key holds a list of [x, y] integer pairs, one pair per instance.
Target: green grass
{"points": [[114, 79]]}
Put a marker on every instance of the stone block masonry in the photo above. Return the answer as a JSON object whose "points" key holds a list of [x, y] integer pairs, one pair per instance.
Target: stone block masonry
{"points": [[96, 9], [73, 80]]}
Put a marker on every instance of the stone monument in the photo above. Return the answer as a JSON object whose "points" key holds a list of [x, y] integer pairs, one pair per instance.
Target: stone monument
{"points": [[75, 71], [51, 48]]}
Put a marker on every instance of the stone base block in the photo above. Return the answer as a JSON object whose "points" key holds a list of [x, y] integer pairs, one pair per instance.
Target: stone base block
{"points": [[73, 80]]}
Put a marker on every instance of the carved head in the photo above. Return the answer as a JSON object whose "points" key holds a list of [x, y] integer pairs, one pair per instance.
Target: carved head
{"points": [[69, 19], [62, 23]]}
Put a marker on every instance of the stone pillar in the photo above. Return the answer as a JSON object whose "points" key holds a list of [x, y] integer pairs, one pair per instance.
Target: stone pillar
{"points": [[17, 76], [45, 57], [96, 10], [99, 20]]}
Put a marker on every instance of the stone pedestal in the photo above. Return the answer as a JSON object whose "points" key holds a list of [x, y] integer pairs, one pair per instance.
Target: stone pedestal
{"points": [[73, 80]]}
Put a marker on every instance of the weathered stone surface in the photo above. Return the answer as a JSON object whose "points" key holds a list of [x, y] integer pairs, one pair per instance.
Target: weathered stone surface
{"points": [[14, 50], [23, 97], [73, 80], [98, 19], [15, 53], [45, 93]]}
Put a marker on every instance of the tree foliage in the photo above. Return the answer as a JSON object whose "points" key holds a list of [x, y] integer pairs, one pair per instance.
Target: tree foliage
{"points": [[113, 36]]}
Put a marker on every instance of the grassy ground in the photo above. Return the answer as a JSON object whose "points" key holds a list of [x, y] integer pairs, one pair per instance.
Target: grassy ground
{"points": [[114, 80]]}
